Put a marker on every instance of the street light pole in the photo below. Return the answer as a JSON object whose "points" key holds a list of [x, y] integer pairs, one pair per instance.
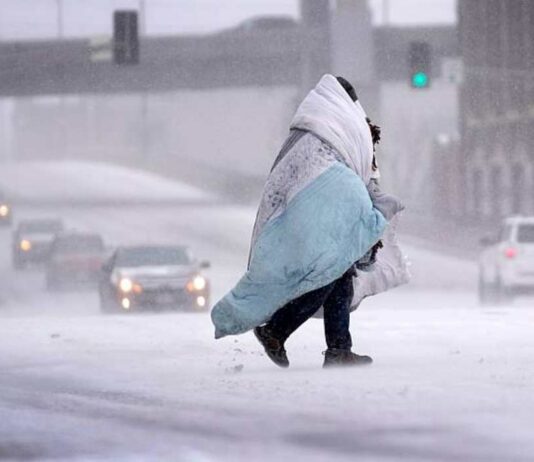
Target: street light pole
{"points": [[59, 4]]}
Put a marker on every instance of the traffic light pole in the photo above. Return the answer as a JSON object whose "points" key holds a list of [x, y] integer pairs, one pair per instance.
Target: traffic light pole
{"points": [[385, 12], [144, 96]]}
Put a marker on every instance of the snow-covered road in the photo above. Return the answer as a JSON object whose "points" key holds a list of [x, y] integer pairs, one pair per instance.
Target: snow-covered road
{"points": [[451, 380]]}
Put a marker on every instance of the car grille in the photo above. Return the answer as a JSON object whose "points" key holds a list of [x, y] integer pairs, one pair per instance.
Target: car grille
{"points": [[163, 296], [159, 283]]}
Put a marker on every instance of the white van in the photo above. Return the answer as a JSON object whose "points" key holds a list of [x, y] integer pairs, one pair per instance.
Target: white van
{"points": [[506, 265]]}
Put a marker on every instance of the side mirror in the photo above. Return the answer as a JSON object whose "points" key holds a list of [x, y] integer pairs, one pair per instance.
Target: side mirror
{"points": [[107, 266], [205, 264]]}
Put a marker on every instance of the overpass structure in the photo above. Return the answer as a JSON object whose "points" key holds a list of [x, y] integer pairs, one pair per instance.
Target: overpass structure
{"points": [[233, 58], [236, 58]]}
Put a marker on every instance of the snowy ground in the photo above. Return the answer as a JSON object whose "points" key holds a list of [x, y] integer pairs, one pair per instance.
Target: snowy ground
{"points": [[451, 380]]}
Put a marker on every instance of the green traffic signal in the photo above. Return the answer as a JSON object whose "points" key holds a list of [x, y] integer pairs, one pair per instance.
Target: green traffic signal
{"points": [[420, 80]]}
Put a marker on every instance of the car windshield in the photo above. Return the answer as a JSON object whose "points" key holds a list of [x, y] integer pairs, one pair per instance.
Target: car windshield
{"points": [[153, 256], [41, 227], [79, 244], [525, 234]]}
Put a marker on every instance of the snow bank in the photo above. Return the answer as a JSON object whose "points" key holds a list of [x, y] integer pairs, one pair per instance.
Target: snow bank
{"points": [[90, 182]]}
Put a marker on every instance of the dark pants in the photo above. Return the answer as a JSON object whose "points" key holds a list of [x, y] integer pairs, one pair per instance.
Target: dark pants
{"points": [[335, 298]]}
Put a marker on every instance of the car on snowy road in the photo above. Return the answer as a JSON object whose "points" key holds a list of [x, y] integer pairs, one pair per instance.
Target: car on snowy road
{"points": [[32, 240], [75, 258], [153, 277], [506, 264]]}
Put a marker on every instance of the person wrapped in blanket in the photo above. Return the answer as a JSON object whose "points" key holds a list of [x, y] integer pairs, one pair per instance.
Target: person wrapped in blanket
{"points": [[320, 227]]}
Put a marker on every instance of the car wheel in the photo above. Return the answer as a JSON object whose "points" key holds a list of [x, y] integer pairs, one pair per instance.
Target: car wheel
{"points": [[488, 293], [492, 293], [502, 294], [107, 306]]}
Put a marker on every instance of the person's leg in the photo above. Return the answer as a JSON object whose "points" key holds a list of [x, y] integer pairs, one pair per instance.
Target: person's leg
{"points": [[291, 316], [287, 320], [337, 322], [337, 314]]}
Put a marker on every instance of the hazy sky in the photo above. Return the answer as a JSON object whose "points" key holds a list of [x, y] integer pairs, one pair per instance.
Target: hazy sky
{"points": [[38, 18]]}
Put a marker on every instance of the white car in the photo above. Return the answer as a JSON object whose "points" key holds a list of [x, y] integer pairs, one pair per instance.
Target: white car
{"points": [[506, 265]]}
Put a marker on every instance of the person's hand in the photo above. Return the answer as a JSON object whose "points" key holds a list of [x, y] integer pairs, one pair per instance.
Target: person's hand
{"points": [[379, 245], [386, 204]]}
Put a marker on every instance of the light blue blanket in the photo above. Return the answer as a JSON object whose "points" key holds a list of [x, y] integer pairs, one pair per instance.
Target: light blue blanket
{"points": [[324, 229]]}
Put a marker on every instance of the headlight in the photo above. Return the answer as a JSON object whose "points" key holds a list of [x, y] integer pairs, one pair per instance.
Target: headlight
{"points": [[126, 285], [4, 210], [25, 245], [199, 283], [196, 284]]}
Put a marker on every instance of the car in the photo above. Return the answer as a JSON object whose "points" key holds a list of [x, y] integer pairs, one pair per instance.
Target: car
{"points": [[506, 265], [32, 240], [74, 258], [5, 210], [153, 277]]}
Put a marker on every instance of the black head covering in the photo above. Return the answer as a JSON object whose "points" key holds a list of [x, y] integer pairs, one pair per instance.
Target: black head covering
{"points": [[348, 88]]}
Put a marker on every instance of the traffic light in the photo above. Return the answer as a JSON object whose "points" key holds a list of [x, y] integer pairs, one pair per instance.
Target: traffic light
{"points": [[125, 37], [420, 61]]}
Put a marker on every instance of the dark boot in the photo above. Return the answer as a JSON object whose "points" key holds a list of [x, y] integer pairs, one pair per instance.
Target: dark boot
{"points": [[341, 358], [273, 346]]}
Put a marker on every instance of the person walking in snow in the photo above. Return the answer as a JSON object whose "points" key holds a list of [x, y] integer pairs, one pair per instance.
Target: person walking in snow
{"points": [[320, 213]]}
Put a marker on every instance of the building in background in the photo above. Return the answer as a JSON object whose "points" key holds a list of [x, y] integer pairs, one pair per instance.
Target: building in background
{"points": [[497, 106], [417, 153]]}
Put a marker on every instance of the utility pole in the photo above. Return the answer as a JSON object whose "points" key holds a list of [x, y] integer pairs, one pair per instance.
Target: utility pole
{"points": [[59, 6]]}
